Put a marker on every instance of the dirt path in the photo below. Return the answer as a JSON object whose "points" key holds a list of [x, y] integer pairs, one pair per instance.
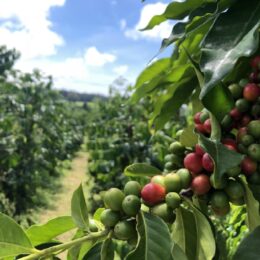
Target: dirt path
{"points": [[71, 180]]}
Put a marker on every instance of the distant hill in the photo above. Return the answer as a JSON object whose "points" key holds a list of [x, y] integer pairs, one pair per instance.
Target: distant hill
{"points": [[74, 96]]}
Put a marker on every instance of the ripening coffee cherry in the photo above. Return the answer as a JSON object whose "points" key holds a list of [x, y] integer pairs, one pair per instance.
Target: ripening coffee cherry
{"points": [[234, 189], [125, 230], [254, 152], [153, 193], [109, 218], [246, 119], [132, 188], [193, 162], [131, 205], [200, 128], [159, 179], [207, 126], [236, 90], [219, 199], [248, 166], [199, 150], [241, 132], [254, 128], [242, 105], [204, 116], [251, 92], [173, 200], [230, 144], [185, 177], [201, 184], [113, 199], [254, 77], [246, 140], [164, 212], [207, 163], [235, 114], [196, 118], [255, 63], [172, 182]]}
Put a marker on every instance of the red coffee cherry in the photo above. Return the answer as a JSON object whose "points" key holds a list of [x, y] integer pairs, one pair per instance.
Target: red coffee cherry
{"points": [[201, 184], [153, 193], [207, 163], [193, 162], [207, 126], [251, 92], [248, 166]]}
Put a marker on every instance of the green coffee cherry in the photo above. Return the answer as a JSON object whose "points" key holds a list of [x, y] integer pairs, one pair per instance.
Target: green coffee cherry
{"points": [[132, 188], [113, 199], [109, 218], [131, 205], [173, 200], [164, 212], [125, 230]]}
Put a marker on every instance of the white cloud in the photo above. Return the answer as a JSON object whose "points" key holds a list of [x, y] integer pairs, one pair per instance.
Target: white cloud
{"points": [[159, 32], [26, 27], [120, 70], [95, 58], [122, 24]]}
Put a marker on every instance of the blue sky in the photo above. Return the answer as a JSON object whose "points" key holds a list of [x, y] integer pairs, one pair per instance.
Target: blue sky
{"points": [[84, 44]]}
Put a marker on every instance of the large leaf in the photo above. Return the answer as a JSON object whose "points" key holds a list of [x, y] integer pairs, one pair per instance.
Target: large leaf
{"points": [[94, 253], [252, 206], [175, 10], [39, 234], [234, 34], [224, 158], [193, 234], [13, 240], [154, 241], [79, 210], [107, 250], [142, 170], [249, 248]]}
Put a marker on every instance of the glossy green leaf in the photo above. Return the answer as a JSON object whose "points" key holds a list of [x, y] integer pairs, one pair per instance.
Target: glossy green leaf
{"points": [[39, 234], [193, 234], [142, 170], [154, 241], [79, 210], [233, 35], [13, 240], [224, 158], [253, 209], [94, 253], [178, 253], [107, 250], [188, 138], [175, 10], [249, 248]]}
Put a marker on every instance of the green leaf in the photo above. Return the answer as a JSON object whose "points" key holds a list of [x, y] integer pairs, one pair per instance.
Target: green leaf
{"points": [[255, 191], [224, 158], [154, 241], [39, 234], [252, 206], [79, 210], [98, 213], [233, 35], [94, 253], [188, 138], [13, 240], [107, 250], [175, 10], [142, 170], [178, 253], [193, 234], [249, 248]]}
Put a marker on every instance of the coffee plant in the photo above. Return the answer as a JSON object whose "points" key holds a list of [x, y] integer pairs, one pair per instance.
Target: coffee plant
{"points": [[204, 204]]}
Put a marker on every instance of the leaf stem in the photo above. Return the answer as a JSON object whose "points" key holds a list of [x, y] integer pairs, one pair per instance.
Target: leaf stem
{"points": [[52, 250]]}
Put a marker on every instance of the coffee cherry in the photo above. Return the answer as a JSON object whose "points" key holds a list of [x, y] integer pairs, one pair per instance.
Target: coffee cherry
{"points": [[207, 126], [241, 132], [173, 200], [242, 83], [254, 152], [251, 92], [221, 211], [193, 162], [159, 179], [255, 63], [196, 118], [204, 116], [248, 166], [177, 148], [199, 150], [131, 205], [164, 212], [207, 163], [235, 114], [125, 230], [200, 128], [133, 188], [235, 90], [255, 110], [185, 177], [245, 120], [254, 77], [246, 140], [242, 105], [254, 128], [153, 193], [234, 189], [172, 182], [219, 199], [234, 172], [201, 184], [113, 199], [109, 218]]}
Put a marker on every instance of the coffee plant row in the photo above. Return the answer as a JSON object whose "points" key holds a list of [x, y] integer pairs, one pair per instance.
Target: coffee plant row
{"points": [[38, 131], [212, 169]]}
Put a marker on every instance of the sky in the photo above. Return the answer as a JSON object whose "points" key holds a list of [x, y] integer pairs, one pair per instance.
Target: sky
{"points": [[84, 44]]}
